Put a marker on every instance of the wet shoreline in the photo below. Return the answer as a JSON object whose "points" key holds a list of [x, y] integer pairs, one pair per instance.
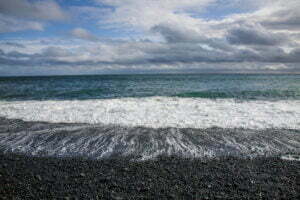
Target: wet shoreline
{"points": [[98, 141]]}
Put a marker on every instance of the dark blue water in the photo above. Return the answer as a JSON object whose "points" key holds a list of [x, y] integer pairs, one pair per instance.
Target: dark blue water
{"points": [[180, 85]]}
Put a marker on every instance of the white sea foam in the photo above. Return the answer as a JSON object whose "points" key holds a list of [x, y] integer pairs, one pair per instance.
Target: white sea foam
{"points": [[161, 112], [291, 157]]}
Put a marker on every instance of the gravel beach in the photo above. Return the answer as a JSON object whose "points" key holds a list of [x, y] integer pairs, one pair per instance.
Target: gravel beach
{"points": [[23, 177]]}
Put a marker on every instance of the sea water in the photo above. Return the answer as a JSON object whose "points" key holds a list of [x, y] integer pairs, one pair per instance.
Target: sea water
{"points": [[190, 115]]}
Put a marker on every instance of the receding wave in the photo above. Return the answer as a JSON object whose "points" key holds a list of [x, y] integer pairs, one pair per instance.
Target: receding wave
{"points": [[161, 112], [103, 141]]}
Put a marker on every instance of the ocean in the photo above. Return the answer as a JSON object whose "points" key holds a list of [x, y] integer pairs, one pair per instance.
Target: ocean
{"points": [[145, 116]]}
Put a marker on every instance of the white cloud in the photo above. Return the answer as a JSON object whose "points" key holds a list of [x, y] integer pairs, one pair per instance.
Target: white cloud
{"points": [[83, 34], [144, 14], [10, 24]]}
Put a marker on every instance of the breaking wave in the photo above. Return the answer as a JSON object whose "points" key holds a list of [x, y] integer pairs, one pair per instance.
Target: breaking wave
{"points": [[161, 112]]}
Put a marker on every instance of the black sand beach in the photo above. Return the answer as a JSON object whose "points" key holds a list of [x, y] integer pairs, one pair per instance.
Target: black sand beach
{"points": [[80, 177], [23, 177]]}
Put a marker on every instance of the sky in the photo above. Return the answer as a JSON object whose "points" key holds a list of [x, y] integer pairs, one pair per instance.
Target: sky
{"points": [[63, 37]]}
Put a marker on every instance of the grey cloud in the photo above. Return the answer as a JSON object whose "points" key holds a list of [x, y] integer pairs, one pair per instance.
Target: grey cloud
{"points": [[13, 44], [174, 34], [182, 35], [39, 10], [47, 56], [18, 15], [10, 59], [286, 19], [295, 55], [251, 36], [292, 23], [145, 54], [54, 52]]}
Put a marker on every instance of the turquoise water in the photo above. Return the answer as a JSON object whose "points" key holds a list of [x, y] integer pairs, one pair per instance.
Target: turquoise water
{"points": [[179, 85]]}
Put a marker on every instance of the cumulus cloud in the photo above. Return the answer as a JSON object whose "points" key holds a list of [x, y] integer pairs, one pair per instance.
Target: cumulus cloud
{"points": [[171, 35], [145, 14]]}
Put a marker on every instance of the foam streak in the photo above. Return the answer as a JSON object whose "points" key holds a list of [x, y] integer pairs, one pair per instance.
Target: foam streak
{"points": [[102, 141]]}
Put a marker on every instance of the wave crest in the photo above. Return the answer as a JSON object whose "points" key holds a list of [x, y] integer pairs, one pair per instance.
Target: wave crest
{"points": [[159, 112]]}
